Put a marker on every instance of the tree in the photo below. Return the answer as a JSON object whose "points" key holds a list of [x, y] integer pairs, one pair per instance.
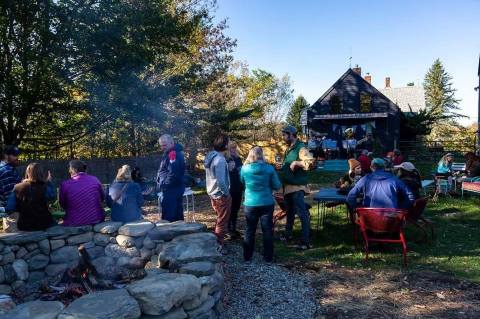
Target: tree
{"points": [[296, 111], [439, 92]]}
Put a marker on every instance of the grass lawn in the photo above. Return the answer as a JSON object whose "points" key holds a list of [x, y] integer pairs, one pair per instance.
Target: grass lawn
{"points": [[455, 249]]}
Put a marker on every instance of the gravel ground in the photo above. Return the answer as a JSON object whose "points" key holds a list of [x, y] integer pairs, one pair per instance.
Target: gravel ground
{"points": [[259, 290]]}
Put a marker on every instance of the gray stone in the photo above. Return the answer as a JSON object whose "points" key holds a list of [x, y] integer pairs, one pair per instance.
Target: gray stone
{"points": [[197, 301], [122, 262], [31, 246], [10, 275], [213, 283], [56, 231], [80, 239], [6, 304], [125, 241], [32, 253], [21, 253], [36, 309], [107, 227], [89, 244], [139, 241], [44, 246], [136, 263], [159, 247], [18, 286], [2, 246], [20, 267], [198, 268], [66, 254], [36, 276], [8, 258], [148, 243], [6, 250], [2, 276], [56, 243], [116, 251], [177, 313], [136, 229], [158, 292], [14, 248], [22, 237], [189, 248], [5, 289], [96, 252], [101, 239], [146, 253], [107, 304], [59, 232], [106, 267], [38, 262], [54, 270], [206, 307], [169, 231]]}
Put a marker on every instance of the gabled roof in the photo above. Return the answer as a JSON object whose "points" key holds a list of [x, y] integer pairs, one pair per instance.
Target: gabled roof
{"points": [[408, 98]]}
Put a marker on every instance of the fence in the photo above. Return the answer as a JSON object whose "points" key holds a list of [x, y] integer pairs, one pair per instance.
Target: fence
{"points": [[433, 150]]}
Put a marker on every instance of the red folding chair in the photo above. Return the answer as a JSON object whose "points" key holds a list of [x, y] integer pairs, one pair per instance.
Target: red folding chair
{"points": [[381, 221], [415, 217]]}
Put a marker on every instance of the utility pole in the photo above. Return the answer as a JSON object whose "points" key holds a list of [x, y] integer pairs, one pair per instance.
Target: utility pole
{"points": [[478, 110]]}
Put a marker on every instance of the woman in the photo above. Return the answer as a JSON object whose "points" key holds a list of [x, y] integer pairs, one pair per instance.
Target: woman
{"points": [[260, 179], [354, 174], [407, 172], [125, 197], [30, 199], [234, 163], [445, 165]]}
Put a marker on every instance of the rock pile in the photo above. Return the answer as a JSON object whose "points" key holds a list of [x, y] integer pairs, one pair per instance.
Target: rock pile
{"points": [[183, 278]]}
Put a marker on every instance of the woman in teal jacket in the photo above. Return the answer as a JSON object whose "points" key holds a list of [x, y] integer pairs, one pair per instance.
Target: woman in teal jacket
{"points": [[260, 179]]}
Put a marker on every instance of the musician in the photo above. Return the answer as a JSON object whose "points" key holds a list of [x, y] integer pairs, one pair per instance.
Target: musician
{"points": [[350, 144]]}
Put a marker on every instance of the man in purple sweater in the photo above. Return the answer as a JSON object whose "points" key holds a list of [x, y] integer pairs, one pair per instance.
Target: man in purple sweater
{"points": [[81, 197]]}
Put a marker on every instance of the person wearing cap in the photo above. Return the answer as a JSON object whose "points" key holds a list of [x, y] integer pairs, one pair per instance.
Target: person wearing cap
{"points": [[445, 165], [365, 161], [380, 189], [407, 173], [351, 177], [297, 161]]}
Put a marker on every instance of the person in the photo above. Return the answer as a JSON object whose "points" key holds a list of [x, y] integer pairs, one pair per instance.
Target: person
{"points": [[397, 157], [389, 161], [170, 179], [81, 197], [297, 161], [260, 180], [380, 189], [9, 177], [125, 197], [472, 165], [236, 187], [350, 143], [218, 187], [408, 174], [353, 175], [444, 167], [365, 161], [30, 199]]}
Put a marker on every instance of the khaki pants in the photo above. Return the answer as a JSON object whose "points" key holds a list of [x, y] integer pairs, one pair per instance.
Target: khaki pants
{"points": [[10, 223], [222, 207]]}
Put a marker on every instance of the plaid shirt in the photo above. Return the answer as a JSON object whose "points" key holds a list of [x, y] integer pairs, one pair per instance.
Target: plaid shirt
{"points": [[8, 178]]}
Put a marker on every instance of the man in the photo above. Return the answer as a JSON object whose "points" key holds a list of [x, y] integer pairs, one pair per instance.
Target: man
{"points": [[170, 179], [81, 197], [296, 163], [8, 179], [234, 163], [380, 189], [218, 187]]}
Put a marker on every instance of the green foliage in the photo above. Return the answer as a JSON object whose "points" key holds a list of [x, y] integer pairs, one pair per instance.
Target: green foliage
{"points": [[295, 113]]}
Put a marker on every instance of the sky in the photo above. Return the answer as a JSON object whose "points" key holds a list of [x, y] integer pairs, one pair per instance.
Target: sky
{"points": [[312, 41]]}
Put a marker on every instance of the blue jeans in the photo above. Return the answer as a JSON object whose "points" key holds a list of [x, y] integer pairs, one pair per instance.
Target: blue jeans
{"points": [[295, 204], [252, 215], [172, 204]]}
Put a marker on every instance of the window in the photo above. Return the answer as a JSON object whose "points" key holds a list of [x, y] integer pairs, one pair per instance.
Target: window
{"points": [[335, 104], [365, 103]]}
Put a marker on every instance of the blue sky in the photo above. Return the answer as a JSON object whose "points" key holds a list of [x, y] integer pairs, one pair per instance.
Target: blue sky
{"points": [[313, 40]]}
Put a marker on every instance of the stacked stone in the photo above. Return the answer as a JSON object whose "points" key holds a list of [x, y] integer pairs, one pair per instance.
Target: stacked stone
{"points": [[183, 277]]}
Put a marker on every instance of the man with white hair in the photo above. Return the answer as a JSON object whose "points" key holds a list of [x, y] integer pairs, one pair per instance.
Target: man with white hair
{"points": [[170, 179]]}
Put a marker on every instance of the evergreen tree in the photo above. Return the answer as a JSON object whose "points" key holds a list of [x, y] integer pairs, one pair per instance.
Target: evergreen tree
{"points": [[293, 117], [439, 93]]}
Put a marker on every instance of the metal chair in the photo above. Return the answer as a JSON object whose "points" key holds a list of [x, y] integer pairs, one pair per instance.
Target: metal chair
{"points": [[381, 221]]}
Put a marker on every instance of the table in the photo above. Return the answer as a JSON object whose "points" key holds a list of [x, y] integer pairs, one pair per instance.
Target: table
{"points": [[323, 196]]}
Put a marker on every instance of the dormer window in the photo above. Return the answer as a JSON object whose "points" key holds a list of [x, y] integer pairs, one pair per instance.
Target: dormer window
{"points": [[335, 104], [365, 103]]}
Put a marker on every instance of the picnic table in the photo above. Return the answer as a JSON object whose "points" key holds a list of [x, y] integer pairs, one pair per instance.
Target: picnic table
{"points": [[322, 197]]}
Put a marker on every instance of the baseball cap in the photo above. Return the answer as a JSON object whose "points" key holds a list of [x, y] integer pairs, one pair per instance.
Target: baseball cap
{"points": [[11, 150], [406, 166], [289, 130], [378, 162]]}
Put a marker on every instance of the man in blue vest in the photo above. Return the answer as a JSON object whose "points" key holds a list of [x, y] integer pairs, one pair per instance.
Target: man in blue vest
{"points": [[296, 163]]}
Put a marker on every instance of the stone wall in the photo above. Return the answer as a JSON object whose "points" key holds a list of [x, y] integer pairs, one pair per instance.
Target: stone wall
{"points": [[183, 276]]}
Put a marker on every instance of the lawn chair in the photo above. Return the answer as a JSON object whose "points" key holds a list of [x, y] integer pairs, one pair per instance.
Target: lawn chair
{"points": [[381, 221], [415, 217]]}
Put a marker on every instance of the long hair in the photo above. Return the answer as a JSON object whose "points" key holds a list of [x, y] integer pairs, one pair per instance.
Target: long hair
{"points": [[124, 174], [228, 154], [35, 173], [254, 155]]}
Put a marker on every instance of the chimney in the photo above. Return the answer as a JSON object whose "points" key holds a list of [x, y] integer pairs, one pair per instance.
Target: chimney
{"points": [[368, 78], [357, 70], [387, 82]]}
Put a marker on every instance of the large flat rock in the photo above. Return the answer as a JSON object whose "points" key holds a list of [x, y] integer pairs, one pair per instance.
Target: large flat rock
{"points": [[189, 248], [171, 230], [61, 231], [35, 309], [107, 304], [65, 254], [136, 229], [158, 293], [107, 227], [22, 237]]}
